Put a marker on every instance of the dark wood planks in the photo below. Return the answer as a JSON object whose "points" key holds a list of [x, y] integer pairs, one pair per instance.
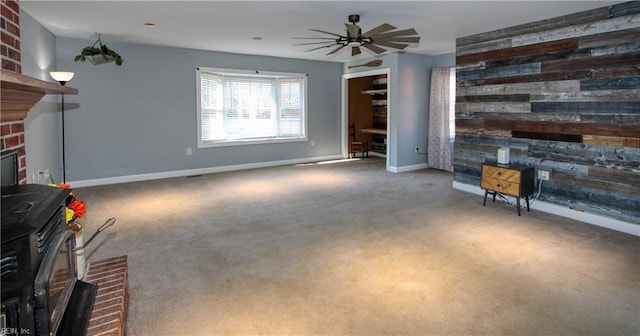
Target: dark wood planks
{"points": [[627, 8], [623, 83], [608, 107], [565, 128], [533, 49], [609, 38], [494, 98], [604, 62]]}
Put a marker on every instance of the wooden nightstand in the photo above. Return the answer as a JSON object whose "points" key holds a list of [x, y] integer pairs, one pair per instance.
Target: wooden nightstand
{"points": [[517, 181]]}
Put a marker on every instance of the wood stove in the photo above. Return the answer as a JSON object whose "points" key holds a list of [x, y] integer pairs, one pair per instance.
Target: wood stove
{"points": [[41, 294]]}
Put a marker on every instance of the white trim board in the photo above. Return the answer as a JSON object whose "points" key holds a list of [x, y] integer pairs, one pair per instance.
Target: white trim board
{"points": [[197, 171], [405, 169], [607, 222], [345, 107]]}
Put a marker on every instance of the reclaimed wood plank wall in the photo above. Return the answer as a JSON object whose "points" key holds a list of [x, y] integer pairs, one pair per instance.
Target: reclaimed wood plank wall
{"points": [[564, 95]]}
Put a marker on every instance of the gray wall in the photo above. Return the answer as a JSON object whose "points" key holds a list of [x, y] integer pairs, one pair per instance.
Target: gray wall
{"points": [[412, 99], [444, 60], [140, 118], [43, 123]]}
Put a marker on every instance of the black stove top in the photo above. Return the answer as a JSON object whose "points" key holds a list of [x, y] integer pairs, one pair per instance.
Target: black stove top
{"points": [[22, 203]]}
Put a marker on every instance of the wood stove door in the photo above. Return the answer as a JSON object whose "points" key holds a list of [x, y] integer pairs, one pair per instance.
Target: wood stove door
{"points": [[55, 282]]}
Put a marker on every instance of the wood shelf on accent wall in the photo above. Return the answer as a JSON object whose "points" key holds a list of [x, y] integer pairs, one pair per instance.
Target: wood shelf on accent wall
{"points": [[20, 93]]}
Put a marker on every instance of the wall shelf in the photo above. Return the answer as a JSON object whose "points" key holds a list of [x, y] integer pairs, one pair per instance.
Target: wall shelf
{"points": [[374, 131], [20, 93], [379, 109], [375, 92]]}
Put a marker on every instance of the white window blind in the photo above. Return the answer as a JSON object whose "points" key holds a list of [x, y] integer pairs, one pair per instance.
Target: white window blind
{"points": [[239, 108]]}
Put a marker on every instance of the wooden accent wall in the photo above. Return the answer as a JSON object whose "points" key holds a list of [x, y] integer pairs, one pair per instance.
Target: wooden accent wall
{"points": [[564, 95]]}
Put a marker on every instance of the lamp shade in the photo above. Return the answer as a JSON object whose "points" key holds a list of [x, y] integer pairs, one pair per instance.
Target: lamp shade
{"points": [[61, 76]]}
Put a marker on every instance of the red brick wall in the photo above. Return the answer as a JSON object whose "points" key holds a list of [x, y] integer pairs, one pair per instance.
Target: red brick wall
{"points": [[12, 135], [10, 34]]}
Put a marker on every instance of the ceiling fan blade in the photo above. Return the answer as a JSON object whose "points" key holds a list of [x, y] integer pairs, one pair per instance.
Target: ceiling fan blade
{"points": [[355, 51], [403, 32], [310, 43], [412, 39], [391, 44], [327, 46], [336, 49], [313, 38], [375, 48], [385, 27], [325, 32]]}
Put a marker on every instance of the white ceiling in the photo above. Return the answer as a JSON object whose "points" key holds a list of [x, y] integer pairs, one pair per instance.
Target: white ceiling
{"points": [[229, 26]]}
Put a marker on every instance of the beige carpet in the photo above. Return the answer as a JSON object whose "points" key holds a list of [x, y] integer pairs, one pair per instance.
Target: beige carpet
{"points": [[349, 249]]}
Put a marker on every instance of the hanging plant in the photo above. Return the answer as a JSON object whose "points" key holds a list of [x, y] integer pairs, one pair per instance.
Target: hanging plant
{"points": [[98, 53]]}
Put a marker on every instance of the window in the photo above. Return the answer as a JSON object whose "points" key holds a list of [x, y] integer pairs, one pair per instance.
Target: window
{"points": [[238, 107]]}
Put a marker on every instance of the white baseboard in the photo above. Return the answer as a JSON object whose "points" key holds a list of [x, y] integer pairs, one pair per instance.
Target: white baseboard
{"points": [[197, 171], [607, 222], [405, 169]]}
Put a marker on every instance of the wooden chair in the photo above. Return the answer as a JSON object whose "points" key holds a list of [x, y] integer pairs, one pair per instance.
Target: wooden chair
{"points": [[357, 146]]}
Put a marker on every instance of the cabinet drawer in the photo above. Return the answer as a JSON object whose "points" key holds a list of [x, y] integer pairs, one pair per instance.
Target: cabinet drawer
{"points": [[501, 173], [501, 186]]}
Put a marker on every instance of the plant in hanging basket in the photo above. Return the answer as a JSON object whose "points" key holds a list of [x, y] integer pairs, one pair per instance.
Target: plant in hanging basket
{"points": [[98, 54]]}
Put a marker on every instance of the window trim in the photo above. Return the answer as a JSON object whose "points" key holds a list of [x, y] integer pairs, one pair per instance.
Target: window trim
{"points": [[452, 102], [251, 73]]}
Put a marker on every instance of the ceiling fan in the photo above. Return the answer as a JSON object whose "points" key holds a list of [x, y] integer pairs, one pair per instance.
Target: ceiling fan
{"points": [[375, 39]]}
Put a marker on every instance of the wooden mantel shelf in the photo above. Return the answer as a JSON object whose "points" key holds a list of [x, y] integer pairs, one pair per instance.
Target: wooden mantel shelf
{"points": [[20, 93]]}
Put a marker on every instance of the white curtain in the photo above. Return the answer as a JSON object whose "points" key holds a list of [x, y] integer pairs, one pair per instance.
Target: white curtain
{"points": [[439, 151]]}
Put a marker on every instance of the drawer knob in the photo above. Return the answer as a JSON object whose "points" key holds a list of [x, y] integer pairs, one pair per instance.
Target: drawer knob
{"points": [[498, 185]]}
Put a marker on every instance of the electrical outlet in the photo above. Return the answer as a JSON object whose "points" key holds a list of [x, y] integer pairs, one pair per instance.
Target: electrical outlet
{"points": [[313, 143], [543, 175], [189, 151], [42, 175]]}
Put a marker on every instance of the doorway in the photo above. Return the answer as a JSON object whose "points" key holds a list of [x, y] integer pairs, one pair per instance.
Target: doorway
{"points": [[365, 106]]}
